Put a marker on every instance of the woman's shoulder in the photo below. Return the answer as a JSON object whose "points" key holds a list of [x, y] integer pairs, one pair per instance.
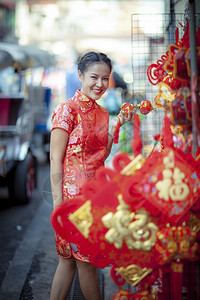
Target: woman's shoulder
{"points": [[63, 106]]}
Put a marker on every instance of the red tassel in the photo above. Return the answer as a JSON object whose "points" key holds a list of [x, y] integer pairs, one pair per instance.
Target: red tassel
{"points": [[176, 281], [167, 133], [116, 137], [137, 142], [177, 35]]}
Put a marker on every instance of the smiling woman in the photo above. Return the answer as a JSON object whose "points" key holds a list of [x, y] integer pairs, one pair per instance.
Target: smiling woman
{"points": [[80, 143]]}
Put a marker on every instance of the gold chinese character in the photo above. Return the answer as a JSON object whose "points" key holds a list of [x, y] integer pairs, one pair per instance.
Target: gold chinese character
{"points": [[133, 228], [172, 186]]}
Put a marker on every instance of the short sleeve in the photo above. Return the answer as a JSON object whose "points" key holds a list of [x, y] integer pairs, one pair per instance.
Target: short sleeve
{"points": [[63, 117]]}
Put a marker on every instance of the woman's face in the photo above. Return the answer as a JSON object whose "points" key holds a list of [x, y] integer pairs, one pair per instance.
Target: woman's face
{"points": [[95, 80]]}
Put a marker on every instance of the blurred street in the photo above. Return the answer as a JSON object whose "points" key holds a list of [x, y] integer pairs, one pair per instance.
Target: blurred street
{"points": [[28, 255], [23, 228]]}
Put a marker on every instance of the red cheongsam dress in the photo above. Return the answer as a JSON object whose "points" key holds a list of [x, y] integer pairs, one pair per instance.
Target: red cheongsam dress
{"points": [[86, 122]]}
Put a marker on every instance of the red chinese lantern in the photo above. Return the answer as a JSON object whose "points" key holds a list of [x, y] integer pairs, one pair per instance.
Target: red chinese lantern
{"points": [[145, 107], [126, 107]]}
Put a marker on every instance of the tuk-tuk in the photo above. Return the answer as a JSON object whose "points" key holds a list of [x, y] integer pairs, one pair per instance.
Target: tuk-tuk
{"points": [[18, 163]]}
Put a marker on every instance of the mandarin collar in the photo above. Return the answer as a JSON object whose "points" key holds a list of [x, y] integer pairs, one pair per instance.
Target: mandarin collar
{"points": [[83, 97]]}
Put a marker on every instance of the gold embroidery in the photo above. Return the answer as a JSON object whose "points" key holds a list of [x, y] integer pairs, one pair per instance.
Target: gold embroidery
{"points": [[77, 149], [172, 185], [133, 228], [82, 218], [133, 274]]}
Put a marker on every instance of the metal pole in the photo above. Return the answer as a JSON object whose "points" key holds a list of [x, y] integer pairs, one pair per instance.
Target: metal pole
{"points": [[193, 64], [172, 23]]}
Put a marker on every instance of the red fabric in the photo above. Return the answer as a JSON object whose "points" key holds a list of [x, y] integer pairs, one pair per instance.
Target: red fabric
{"points": [[87, 125], [86, 122], [65, 250]]}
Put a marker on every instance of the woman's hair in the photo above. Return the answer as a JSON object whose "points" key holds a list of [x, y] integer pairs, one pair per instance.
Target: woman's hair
{"points": [[92, 57]]}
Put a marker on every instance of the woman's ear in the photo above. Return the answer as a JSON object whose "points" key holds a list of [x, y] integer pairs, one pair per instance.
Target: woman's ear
{"points": [[80, 75]]}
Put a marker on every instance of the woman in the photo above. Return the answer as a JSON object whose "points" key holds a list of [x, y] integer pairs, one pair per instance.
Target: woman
{"points": [[80, 143]]}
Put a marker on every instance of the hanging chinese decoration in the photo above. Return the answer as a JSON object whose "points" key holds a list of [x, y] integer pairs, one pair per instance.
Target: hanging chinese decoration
{"points": [[173, 75], [138, 217], [144, 107]]}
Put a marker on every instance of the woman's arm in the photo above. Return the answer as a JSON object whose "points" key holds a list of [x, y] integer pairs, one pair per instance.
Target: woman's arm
{"points": [[58, 144]]}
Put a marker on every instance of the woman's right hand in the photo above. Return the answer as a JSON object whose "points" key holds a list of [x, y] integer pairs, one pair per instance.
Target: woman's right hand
{"points": [[125, 117]]}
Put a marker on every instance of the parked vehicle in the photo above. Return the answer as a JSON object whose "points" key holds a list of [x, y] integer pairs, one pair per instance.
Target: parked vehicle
{"points": [[18, 163]]}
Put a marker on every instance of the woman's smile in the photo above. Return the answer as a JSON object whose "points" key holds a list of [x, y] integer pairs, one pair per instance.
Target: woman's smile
{"points": [[97, 92]]}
